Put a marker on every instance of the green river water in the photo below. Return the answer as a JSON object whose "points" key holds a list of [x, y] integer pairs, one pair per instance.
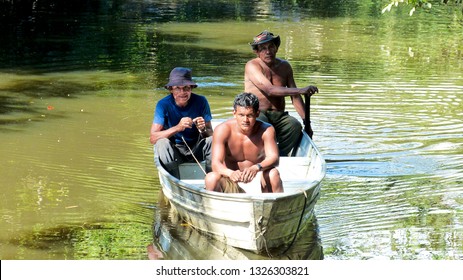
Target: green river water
{"points": [[79, 83]]}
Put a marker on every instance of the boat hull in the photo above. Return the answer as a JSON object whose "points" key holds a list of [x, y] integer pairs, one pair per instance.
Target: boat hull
{"points": [[256, 222]]}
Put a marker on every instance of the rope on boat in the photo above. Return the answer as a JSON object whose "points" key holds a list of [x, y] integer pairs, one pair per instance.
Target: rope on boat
{"points": [[261, 234], [298, 225], [200, 166], [263, 230]]}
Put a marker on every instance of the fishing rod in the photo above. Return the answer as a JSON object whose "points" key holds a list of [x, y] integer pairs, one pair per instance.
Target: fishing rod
{"points": [[184, 141]]}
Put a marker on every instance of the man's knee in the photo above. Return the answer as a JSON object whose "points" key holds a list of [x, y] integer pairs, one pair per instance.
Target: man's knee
{"points": [[208, 145], [166, 151], [207, 153], [293, 127], [211, 181], [275, 181], [274, 174], [163, 142]]}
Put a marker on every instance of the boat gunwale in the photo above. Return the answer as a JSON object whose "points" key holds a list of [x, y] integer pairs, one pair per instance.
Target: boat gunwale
{"points": [[262, 197]]}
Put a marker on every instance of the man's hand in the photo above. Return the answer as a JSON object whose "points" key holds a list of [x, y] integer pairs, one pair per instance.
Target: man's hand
{"points": [[310, 90], [235, 176], [200, 123], [184, 123], [248, 174]]}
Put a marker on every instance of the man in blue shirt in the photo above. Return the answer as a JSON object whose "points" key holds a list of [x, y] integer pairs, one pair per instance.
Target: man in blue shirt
{"points": [[182, 124]]}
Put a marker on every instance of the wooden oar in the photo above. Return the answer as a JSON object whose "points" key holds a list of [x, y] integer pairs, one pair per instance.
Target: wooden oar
{"points": [[307, 126]]}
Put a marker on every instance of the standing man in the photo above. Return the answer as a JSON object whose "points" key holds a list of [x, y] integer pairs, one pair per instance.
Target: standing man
{"points": [[271, 80], [244, 152], [182, 121]]}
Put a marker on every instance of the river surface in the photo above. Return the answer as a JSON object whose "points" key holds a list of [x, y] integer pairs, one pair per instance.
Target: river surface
{"points": [[79, 83]]}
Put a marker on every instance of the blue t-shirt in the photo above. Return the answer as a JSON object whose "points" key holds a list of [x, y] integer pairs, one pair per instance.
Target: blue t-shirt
{"points": [[168, 114]]}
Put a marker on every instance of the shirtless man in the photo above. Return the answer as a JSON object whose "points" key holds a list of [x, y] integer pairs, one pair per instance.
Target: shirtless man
{"points": [[242, 147], [271, 80]]}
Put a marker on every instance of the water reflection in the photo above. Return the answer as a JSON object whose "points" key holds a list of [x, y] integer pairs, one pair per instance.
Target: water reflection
{"points": [[175, 240], [98, 240]]}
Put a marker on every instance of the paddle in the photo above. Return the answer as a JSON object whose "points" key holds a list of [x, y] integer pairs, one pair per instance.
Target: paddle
{"points": [[307, 126]]}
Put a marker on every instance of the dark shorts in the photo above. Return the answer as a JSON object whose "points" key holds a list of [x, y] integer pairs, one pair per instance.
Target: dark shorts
{"points": [[287, 127]]}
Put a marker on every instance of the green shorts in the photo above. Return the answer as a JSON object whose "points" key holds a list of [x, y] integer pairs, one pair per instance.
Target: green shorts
{"points": [[287, 127]]}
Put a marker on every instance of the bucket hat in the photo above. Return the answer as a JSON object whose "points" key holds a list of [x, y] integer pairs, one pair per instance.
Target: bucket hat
{"points": [[180, 76], [264, 37]]}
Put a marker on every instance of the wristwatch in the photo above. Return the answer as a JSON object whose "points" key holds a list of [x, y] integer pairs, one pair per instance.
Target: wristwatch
{"points": [[259, 166]]}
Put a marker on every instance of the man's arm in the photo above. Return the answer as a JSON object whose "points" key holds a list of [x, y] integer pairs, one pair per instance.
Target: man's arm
{"points": [[254, 73], [296, 100], [272, 156], [157, 131], [220, 136], [203, 122], [208, 131]]}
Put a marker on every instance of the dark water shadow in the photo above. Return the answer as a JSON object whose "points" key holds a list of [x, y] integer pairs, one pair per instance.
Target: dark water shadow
{"points": [[10, 105]]}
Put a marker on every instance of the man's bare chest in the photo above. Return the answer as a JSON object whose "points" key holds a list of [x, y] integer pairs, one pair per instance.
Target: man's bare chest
{"points": [[275, 76], [244, 149]]}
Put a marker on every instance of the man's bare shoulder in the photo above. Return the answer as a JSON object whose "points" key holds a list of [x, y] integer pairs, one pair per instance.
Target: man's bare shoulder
{"points": [[264, 126], [224, 126], [253, 62], [283, 63]]}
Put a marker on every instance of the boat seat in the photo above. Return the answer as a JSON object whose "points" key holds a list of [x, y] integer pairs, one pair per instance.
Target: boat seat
{"points": [[191, 170]]}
